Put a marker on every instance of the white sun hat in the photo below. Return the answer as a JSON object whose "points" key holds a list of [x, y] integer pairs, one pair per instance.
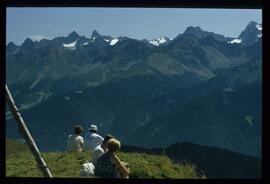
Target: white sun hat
{"points": [[93, 127]]}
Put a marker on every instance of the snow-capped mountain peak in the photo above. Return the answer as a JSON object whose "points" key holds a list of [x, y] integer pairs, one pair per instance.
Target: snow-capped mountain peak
{"points": [[95, 35], [102, 38], [249, 36], [236, 40]]}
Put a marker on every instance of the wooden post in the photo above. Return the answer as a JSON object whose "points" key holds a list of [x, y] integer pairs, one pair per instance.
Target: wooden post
{"points": [[26, 135]]}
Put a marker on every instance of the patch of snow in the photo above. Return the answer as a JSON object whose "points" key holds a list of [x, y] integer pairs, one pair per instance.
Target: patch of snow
{"points": [[86, 43], [158, 41], [154, 42], [162, 40], [235, 41], [92, 39], [106, 40], [114, 41], [259, 35], [67, 98], [70, 45], [259, 27]]}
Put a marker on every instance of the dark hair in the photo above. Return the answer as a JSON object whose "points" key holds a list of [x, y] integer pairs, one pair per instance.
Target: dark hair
{"points": [[78, 129], [107, 138]]}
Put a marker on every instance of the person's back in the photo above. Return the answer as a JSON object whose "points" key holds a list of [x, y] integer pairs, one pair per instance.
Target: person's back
{"points": [[92, 139], [101, 149], [105, 168], [75, 141], [98, 151], [109, 165]]}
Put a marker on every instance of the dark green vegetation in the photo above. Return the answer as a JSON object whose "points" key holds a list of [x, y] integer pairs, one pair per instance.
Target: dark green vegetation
{"points": [[63, 164], [196, 87]]}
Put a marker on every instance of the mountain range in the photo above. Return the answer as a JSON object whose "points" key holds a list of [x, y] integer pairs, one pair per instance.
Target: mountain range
{"points": [[200, 87]]}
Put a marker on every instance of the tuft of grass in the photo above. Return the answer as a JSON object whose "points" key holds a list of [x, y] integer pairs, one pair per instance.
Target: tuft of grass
{"points": [[14, 147]]}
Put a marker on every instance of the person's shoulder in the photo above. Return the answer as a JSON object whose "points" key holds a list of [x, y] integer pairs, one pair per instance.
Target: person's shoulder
{"points": [[99, 136], [80, 137], [94, 135]]}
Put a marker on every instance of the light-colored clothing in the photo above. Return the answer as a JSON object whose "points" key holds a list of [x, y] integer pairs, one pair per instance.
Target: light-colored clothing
{"points": [[92, 140], [74, 143], [98, 151], [87, 169]]}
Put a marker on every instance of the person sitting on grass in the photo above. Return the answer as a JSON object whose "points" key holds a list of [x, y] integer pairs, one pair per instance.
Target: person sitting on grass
{"points": [[92, 138], [75, 141], [101, 149], [88, 168], [109, 165]]}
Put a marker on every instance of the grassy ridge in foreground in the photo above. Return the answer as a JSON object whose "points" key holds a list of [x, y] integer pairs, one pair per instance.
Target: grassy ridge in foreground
{"points": [[63, 164]]}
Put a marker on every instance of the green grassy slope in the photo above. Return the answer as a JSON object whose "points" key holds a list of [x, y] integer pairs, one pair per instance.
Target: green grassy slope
{"points": [[14, 147], [21, 163]]}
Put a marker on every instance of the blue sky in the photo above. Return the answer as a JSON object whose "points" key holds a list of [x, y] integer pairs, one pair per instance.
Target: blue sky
{"points": [[138, 23]]}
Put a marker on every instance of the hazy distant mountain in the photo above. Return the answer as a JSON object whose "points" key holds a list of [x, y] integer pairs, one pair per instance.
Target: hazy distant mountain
{"points": [[251, 34], [198, 32], [11, 48]]}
